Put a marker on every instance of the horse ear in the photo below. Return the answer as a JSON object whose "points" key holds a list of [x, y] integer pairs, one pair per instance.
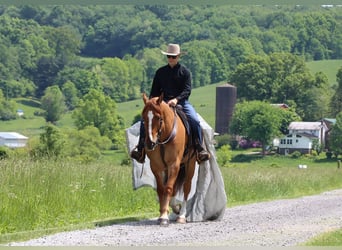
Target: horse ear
{"points": [[145, 97], [161, 98]]}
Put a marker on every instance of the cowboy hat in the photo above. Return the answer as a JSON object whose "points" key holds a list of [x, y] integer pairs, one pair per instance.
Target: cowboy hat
{"points": [[172, 50]]}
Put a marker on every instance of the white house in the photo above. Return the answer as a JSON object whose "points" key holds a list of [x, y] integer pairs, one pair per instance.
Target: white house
{"points": [[12, 139], [20, 112], [301, 137]]}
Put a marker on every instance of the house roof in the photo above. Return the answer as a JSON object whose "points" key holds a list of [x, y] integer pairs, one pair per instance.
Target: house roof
{"points": [[330, 120], [280, 105], [12, 135], [305, 126]]}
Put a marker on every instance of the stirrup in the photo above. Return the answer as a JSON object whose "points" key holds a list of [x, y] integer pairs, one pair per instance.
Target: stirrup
{"points": [[137, 155], [202, 156]]}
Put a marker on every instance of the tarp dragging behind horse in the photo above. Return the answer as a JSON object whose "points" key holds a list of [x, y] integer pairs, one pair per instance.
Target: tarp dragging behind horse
{"points": [[207, 199]]}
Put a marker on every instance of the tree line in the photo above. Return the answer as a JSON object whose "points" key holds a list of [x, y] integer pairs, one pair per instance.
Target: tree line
{"points": [[118, 47]]}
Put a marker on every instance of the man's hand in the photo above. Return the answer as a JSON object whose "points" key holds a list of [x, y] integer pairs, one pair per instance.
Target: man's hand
{"points": [[173, 102]]}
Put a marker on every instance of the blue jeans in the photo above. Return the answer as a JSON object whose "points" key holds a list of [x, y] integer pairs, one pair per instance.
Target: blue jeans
{"points": [[194, 123]]}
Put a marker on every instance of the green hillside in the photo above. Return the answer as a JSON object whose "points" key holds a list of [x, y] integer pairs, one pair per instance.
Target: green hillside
{"points": [[328, 67], [203, 99]]}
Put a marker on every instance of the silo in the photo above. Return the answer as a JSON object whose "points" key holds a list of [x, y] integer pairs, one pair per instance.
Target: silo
{"points": [[226, 95]]}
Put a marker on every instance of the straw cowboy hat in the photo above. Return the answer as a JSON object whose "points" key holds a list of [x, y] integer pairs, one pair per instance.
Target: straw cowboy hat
{"points": [[172, 50]]}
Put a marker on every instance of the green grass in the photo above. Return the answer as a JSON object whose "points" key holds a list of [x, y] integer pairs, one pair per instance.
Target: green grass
{"points": [[52, 194], [30, 124], [203, 100], [274, 177], [64, 195], [333, 238], [328, 67]]}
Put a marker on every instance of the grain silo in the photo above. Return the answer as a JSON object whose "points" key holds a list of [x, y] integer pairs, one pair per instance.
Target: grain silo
{"points": [[226, 95]]}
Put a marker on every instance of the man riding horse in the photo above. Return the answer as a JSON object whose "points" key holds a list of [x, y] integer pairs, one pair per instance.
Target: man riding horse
{"points": [[174, 81]]}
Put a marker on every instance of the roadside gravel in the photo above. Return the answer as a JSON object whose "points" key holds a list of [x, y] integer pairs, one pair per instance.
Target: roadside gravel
{"points": [[287, 222]]}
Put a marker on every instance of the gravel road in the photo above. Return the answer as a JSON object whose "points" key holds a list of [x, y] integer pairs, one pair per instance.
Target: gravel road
{"points": [[287, 222]]}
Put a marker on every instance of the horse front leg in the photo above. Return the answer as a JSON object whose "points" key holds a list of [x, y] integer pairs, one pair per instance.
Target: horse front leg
{"points": [[163, 213], [168, 192]]}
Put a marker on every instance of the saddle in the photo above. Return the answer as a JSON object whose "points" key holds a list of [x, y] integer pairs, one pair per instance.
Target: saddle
{"points": [[184, 118]]}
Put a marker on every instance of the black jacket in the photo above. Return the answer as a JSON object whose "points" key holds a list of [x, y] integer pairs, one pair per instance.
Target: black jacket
{"points": [[174, 82]]}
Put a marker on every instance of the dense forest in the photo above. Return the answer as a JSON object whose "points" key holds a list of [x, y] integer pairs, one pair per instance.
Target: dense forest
{"points": [[115, 49]]}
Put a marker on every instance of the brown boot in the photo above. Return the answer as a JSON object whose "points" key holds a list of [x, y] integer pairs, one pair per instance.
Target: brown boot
{"points": [[138, 155], [202, 154]]}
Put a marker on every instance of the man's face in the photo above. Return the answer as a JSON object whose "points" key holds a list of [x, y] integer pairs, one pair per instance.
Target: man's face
{"points": [[172, 60]]}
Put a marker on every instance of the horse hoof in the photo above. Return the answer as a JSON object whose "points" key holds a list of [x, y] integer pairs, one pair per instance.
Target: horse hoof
{"points": [[181, 220], [163, 222]]}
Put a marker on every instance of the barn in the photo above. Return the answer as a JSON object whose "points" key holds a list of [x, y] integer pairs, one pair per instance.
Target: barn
{"points": [[13, 140]]}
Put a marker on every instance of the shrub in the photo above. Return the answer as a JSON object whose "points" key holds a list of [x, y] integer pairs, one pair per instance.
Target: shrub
{"points": [[224, 155], [296, 154], [246, 143], [222, 140], [329, 154], [3, 153]]}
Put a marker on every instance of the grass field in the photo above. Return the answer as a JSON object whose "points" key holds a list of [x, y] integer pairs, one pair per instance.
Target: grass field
{"points": [[328, 67], [62, 195]]}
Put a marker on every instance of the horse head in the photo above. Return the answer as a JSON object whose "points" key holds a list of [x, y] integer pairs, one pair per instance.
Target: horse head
{"points": [[153, 120]]}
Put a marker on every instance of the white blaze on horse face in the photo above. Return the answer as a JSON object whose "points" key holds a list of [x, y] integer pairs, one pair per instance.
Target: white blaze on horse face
{"points": [[150, 118]]}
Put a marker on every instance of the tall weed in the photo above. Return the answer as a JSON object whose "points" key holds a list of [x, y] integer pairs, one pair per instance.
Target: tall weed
{"points": [[46, 194]]}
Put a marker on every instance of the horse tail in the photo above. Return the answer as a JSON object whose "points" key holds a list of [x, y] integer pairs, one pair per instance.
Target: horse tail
{"points": [[180, 178]]}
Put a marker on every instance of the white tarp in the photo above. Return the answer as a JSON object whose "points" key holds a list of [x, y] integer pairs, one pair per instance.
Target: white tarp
{"points": [[207, 199]]}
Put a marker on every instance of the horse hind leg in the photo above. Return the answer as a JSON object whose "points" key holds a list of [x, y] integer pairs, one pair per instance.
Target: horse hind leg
{"points": [[189, 173], [181, 218], [175, 207]]}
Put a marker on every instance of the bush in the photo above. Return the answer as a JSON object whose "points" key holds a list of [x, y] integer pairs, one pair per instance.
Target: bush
{"points": [[222, 140], [3, 153], [246, 143], [224, 155], [329, 154], [296, 155]]}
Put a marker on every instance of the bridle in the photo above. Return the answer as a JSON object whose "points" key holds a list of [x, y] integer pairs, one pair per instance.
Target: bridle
{"points": [[170, 137]]}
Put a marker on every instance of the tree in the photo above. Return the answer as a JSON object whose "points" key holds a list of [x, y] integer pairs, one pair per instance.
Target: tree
{"points": [[7, 108], [98, 110], [281, 77], [257, 121], [114, 76], [252, 79], [51, 143], [287, 116], [83, 79], [70, 93], [336, 100], [336, 136], [86, 144], [136, 74], [53, 104]]}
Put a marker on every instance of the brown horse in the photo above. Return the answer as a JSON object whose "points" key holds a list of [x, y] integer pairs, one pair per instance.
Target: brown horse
{"points": [[172, 160]]}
